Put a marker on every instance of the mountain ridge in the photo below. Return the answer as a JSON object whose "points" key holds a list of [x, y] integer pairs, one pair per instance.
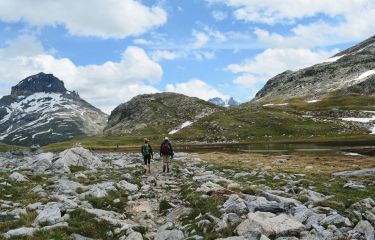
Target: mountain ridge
{"points": [[348, 68], [158, 113]]}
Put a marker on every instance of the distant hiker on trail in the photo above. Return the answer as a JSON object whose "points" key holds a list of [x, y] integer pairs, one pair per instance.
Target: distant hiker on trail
{"points": [[166, 151], [147, 155]]}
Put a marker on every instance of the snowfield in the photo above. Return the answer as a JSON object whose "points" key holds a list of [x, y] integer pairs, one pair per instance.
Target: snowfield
{"points": [[363, 120], [184, 125], [333, 59]]}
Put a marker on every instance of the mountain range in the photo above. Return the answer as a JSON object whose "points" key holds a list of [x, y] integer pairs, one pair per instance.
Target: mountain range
{"points": [[224, 102], [330, 98]]}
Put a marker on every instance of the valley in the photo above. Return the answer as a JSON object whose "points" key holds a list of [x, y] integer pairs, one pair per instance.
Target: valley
{"points": [[295, 162]]}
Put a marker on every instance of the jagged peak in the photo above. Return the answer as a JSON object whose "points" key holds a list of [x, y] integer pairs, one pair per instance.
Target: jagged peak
{"points": [[40, 82]]}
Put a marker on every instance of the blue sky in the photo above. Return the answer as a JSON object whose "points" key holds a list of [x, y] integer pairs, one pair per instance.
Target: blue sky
{"points": [[110, 51]]}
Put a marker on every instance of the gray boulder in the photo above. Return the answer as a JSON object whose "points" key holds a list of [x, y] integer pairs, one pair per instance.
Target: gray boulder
{"points": [[366, 229], [369, 216], [270, 225], [209, 186], [263, 205], [133, 236], [354, 185], [283, 200], [18, 177], [23, 231], [50, 214], [235, 204], [314, 196], [42, 162], [170, 235], [363, 205], [67, 186], [100, 190], [77, 156], [123, 184], [362, 172], [337, 220]]}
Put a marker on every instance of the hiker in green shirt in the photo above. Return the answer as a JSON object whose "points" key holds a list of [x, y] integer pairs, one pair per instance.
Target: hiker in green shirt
{"points": [[147, 155]]}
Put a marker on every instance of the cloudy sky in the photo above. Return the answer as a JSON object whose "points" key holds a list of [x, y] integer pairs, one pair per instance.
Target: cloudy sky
{"points": [[112, 50]]}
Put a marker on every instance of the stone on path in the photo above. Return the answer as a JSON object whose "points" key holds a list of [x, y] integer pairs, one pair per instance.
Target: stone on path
{"points": [[354, 185], [270, 225], [169, 235], [366, 229], [50, 214], [362, 172], [209, 186], [133, 236], [18, 177], [127, 186], [337, 220], [23, 231]]}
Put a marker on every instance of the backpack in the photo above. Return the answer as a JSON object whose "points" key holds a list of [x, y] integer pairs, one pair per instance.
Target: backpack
{"points": [[145, 149], [166, 148]]}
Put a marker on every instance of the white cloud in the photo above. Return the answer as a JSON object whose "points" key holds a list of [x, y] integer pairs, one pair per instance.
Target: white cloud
{"points": [[248, 80], [201, 39], [142, 41], [105, 19], [219, 15], [165, 55], [195, 88], [203, 55], [343, 21], [274, 11], [27, 45], [105, 86], [356, 27], [274, 61]]}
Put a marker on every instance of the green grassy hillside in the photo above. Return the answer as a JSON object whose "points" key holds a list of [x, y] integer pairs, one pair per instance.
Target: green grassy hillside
{"points": [[8, 148], [252, 122]]}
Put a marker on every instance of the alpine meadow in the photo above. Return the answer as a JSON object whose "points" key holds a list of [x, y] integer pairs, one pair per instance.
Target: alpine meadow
{"points": [[187, 120]]}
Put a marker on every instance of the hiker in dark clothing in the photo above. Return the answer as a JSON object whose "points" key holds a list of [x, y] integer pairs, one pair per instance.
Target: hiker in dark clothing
{"points": [[147, 155], [166, 151]]}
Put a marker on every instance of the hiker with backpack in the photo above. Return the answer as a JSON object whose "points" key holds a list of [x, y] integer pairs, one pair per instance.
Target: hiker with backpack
{"points": [[166, 151], [147, 155]]}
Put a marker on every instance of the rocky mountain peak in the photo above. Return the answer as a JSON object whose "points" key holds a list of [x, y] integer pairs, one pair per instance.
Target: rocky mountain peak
{"points": [[163, 112], [224, 102], [41, 110], [233, 102], [366, 45], [40, 82], [351, 71]]}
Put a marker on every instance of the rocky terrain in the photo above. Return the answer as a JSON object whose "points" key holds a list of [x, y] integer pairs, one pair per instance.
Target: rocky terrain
{"points": [[348, 72], [224, 103], [77, 194], [157, 113], [41, 110]]}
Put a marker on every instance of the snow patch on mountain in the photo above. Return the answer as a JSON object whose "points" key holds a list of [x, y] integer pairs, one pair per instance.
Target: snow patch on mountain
{"points": [[366, 120], [365, 75], [313, 101], [275, 104], [362, 120], [333, 59], [184, 125]]}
